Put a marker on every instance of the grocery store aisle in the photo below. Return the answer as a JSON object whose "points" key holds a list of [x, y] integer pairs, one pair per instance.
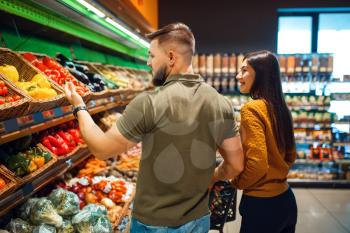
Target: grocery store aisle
{"points": [[320, 211]]}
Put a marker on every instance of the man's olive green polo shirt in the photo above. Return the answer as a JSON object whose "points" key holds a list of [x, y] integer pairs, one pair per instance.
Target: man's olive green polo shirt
{"points": [[180, 126]]}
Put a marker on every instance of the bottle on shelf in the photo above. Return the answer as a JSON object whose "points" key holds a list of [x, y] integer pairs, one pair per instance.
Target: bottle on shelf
{"points": [[217, 71], [195, 64], [232, 73], [210, 69], [224, 74], [202, 65]]}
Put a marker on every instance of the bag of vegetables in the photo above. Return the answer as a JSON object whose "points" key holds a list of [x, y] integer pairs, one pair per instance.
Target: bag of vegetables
{"points": [[92, 219], [44, 228], [67, 227]]}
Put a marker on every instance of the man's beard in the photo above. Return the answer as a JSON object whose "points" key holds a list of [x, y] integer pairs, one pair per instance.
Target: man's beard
{"points": [[160, 76]]}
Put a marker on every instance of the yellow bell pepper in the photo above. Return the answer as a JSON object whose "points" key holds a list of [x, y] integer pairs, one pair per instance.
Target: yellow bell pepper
{"points": [[10, 72], [44, 93], [39, 161], [32, 167], [41, 80]]}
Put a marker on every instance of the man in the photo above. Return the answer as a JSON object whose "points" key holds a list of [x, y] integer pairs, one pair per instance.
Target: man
{"points": [[181, 126]]}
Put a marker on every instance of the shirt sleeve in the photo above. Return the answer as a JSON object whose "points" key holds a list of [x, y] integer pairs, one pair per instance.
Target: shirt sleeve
{"points": [[137, 119], [231, 126], [254, 147]]}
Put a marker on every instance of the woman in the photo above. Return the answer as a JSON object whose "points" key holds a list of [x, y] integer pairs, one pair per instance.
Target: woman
{"points": [[268, 204]]}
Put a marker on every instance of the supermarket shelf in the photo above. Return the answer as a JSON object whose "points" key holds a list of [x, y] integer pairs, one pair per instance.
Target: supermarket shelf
{"points": [[312, 142], [26, 190], [312, 161], [57, 121], [341, 144], [312, 128], [305, 183]]}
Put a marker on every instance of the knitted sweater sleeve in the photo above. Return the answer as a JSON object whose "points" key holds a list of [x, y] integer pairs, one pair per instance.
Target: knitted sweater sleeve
{"points": [[254, 146]]}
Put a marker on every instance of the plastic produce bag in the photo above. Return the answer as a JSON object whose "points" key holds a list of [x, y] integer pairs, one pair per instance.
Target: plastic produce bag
{"points": [[67, 227], [66, 203], [24, 210], [44, 228], [99, 209], [19, 226], [92, 219], [44, 212]]}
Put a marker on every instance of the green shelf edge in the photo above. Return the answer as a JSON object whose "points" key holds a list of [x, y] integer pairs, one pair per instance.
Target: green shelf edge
{"points": [[41, 15]]}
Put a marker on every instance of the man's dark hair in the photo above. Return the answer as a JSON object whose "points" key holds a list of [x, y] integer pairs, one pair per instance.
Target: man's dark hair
{"points": [[175, 32]]}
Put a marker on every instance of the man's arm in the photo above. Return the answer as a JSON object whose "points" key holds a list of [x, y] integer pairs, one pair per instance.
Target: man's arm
{"points": [[102, 145], [233, 164]]}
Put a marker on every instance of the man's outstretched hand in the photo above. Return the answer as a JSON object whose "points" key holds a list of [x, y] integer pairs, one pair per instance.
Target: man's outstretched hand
{"points": [[73, 97]]}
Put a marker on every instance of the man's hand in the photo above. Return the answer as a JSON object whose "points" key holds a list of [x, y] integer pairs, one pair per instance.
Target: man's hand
{"points": [[73, 97]]}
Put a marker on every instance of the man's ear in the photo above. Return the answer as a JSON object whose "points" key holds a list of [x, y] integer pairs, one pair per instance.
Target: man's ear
{"points": [[172, 58]]}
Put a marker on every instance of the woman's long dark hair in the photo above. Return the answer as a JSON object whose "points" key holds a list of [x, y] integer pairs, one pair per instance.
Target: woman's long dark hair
{"points": [[267, 86]]}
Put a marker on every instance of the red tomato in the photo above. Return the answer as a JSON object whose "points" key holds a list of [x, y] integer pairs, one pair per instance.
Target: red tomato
{"points": [[10, 99], [16, 97], [2, 102], [5, 91], [2, 84]]}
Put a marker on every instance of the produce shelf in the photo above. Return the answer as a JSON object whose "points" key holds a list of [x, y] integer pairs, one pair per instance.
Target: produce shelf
{"points": [[28, 189], [57, 121], [306, 183]]}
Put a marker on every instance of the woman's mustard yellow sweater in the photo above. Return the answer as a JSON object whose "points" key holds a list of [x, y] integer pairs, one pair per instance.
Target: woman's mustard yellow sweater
{"points": [[266, 168]]}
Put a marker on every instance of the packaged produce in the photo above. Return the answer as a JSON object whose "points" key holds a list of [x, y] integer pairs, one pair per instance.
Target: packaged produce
{"points": [[44, 228], [67, 227], [92, 219]]}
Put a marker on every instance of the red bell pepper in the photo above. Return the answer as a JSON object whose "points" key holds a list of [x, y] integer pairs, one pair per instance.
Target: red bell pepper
{"points": [[75, 133], [30, 57], [46, 143], [67, 138], [63, 150], [52, 64], [53, 141]]}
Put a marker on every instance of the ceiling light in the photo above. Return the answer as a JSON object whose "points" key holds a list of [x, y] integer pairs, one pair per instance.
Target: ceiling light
{"points": [[92, 8]]}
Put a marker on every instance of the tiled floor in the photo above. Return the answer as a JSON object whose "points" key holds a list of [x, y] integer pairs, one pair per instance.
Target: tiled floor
{"points": [[319, 211]]}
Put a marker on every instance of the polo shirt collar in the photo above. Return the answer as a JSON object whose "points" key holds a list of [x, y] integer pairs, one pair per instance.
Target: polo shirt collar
{"points": [[184, 77]]}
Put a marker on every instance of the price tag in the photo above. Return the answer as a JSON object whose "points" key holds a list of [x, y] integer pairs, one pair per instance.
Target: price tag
{"points": [[66, 109], [69, 163], [25, 120], [48, 114]]}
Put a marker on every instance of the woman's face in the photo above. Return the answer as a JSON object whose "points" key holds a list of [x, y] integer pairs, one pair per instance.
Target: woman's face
{"points": [[245, 77]]}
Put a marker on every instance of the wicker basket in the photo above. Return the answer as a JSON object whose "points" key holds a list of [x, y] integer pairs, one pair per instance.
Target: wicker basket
{"points": [[86, 97], [26, 72], [15, 109], [30, 177], [63, 157], [11, 183]]}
